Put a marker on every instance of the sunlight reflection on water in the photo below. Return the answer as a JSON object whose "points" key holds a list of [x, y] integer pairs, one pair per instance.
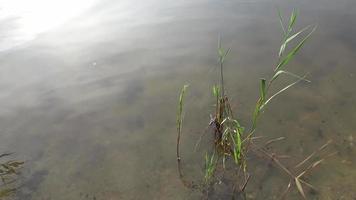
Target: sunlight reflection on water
{"points": [[29, 18]]}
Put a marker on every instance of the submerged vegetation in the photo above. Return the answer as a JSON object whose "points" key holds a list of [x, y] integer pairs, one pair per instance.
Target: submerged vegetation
{"points": [[233, 142], [9, 169]]}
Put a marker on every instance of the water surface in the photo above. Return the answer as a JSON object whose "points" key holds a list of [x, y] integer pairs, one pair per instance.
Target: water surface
{"points": [[89, 101]]}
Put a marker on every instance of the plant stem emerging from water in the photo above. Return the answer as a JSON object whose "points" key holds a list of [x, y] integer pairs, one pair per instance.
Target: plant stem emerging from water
{"points": [[179, 125]]}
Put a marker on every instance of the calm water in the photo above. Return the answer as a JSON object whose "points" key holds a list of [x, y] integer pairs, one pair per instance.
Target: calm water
{"points": [[89, 100]]}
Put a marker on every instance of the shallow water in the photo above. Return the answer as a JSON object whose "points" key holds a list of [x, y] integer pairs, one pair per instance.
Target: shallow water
{"points": [[90, 104]]}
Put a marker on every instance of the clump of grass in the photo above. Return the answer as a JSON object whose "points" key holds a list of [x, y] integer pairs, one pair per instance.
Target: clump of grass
{"points": [[233, 142]]}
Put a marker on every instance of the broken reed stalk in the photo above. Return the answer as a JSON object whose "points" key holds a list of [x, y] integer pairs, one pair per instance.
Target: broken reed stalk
{"points": [[298, 181], [313, 154]]}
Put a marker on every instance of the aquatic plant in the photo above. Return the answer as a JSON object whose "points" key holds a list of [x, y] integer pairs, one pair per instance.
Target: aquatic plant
{"points": [[8, 171], [233, 142]]}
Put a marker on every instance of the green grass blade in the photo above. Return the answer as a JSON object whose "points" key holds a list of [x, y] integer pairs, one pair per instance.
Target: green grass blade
{"points": [[221, 53], [278, 73], [259, 103], [281, 22], [216, 91], [256, 113], [292, 53], [292, 20], [281, 50], [209, 166], [289, 39], [296, 34], [237, 124], [238, 142], [282, 90], [263, 89], [225, 53]]}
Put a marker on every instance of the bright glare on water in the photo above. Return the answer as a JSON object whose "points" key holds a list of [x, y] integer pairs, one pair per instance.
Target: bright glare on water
{"points": [[29, 18]]}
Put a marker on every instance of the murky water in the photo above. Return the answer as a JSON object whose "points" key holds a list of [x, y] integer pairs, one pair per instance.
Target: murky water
{"points": [[90, 103]]}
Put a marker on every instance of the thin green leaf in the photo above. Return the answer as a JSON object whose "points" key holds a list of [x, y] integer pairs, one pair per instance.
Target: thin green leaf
{"points": [[276, 75], [216, 91], [225, 54], [282, 90], [236, 156], [259, 103], [212, 158], [221, 52], [281, 50], [263, 89], [292, 53], [281, 22], [289, 39], [238, 141], [256, 113], [240, 129], [292, 20], [209, 166], [296, 34]]}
